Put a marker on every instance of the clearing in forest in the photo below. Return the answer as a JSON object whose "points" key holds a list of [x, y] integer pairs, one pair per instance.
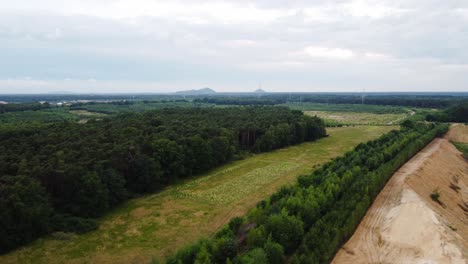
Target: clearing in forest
{"points": [[421, 215], [156, 225]]}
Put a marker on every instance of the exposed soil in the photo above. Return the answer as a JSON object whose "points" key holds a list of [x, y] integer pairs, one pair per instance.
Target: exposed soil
{"points": [[404, 225]]}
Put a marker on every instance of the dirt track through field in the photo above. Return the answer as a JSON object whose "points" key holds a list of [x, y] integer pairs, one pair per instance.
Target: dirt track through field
{"points": [[404, 225]]}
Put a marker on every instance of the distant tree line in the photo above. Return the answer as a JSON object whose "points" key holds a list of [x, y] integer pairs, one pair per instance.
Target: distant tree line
{"points": [[411, 100], [58, 177], [309, 221], [234, 100], [454, 113], [4, 108]]}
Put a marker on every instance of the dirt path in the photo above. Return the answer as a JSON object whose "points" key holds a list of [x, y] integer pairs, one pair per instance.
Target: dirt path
{"points": [[404, 225]]}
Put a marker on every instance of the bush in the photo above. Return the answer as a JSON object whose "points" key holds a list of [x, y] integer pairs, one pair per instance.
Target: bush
{"points": [[286, 229], [274, 252], [435, 196], [24, 211], [235, 224], [255, 256], [68, 223]]}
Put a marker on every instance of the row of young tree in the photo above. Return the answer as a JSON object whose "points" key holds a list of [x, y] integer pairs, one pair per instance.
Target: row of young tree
{"points": [[60, 176], [307, 222]]}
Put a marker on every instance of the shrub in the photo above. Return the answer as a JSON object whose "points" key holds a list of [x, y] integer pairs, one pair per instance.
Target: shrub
{"points": [[255, 256], [435, 196], [68, 223]]}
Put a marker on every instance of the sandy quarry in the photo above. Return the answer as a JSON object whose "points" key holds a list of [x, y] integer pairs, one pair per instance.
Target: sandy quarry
{"points": [[404, 225]]}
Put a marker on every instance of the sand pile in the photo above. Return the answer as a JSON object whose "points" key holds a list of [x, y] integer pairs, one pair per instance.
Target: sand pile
{"points": [[404, 225]]}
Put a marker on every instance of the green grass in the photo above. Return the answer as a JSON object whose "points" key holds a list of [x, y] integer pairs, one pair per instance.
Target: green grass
{"points": [[352, 118], [463, 147], [156, 225]]}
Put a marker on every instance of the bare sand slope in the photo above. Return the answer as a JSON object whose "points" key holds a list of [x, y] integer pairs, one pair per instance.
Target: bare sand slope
{"points": [[404, 225]]}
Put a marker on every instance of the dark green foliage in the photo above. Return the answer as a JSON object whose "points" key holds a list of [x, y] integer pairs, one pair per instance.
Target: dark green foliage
{"points": [[455, 113], [203, 256], [435, 196], [354, 108], [285, 229], [69, 223], [310, 220], [235, 223], [255, 256], [302, 99], [274, 252], [24, 211], [224, 247], [23, 107], [257, 237], [86, 169], [51, 115], [407, 124]]}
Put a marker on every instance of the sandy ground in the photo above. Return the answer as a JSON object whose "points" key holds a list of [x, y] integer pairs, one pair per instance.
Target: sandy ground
{"points": [[404, 225]]}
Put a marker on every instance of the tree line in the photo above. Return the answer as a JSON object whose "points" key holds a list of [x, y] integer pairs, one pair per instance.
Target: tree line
{"points": [[59, 177], [4, 108], [454, 113], [309, 221], [410, 100]]}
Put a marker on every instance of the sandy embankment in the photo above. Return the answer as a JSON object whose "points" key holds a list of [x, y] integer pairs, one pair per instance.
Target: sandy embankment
{"points": [[404, 225]]}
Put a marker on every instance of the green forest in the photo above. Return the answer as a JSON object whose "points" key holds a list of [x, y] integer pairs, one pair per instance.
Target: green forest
{"points": [[60, 176], [309, 221], [454, 113]]}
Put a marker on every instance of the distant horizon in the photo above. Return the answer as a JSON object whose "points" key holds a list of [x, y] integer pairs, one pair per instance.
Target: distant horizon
{"points": [[233, 92]]}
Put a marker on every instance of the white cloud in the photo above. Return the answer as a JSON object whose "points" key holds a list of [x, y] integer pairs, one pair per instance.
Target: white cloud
{"points": [[324, 52], [372, 9], [376, 56]]}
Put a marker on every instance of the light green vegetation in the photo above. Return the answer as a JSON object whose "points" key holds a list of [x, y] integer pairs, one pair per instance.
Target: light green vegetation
{"points": [[463, 147], [84, 113], [157, 225], [48, 115], [352, 118]]}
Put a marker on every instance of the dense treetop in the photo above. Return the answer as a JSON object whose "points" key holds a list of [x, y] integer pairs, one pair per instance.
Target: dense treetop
{"points": [[454, 113]]}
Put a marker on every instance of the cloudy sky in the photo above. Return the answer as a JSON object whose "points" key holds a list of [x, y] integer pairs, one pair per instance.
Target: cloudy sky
{"points": [[287, 45]]}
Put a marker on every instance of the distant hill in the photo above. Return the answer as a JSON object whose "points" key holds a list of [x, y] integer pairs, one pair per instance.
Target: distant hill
{"points": [[259, 91], [203, 91]]}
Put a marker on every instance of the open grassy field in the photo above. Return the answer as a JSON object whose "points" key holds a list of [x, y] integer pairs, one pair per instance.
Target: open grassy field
{"points": [[85, 113], [157, 225], [355, 118]]}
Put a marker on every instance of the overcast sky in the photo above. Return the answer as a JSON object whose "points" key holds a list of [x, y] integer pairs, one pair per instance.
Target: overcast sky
{"points": [[287, 45]]}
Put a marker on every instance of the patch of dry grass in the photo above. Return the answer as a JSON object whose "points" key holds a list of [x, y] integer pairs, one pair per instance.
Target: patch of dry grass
{"points": [[352, 118]]}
